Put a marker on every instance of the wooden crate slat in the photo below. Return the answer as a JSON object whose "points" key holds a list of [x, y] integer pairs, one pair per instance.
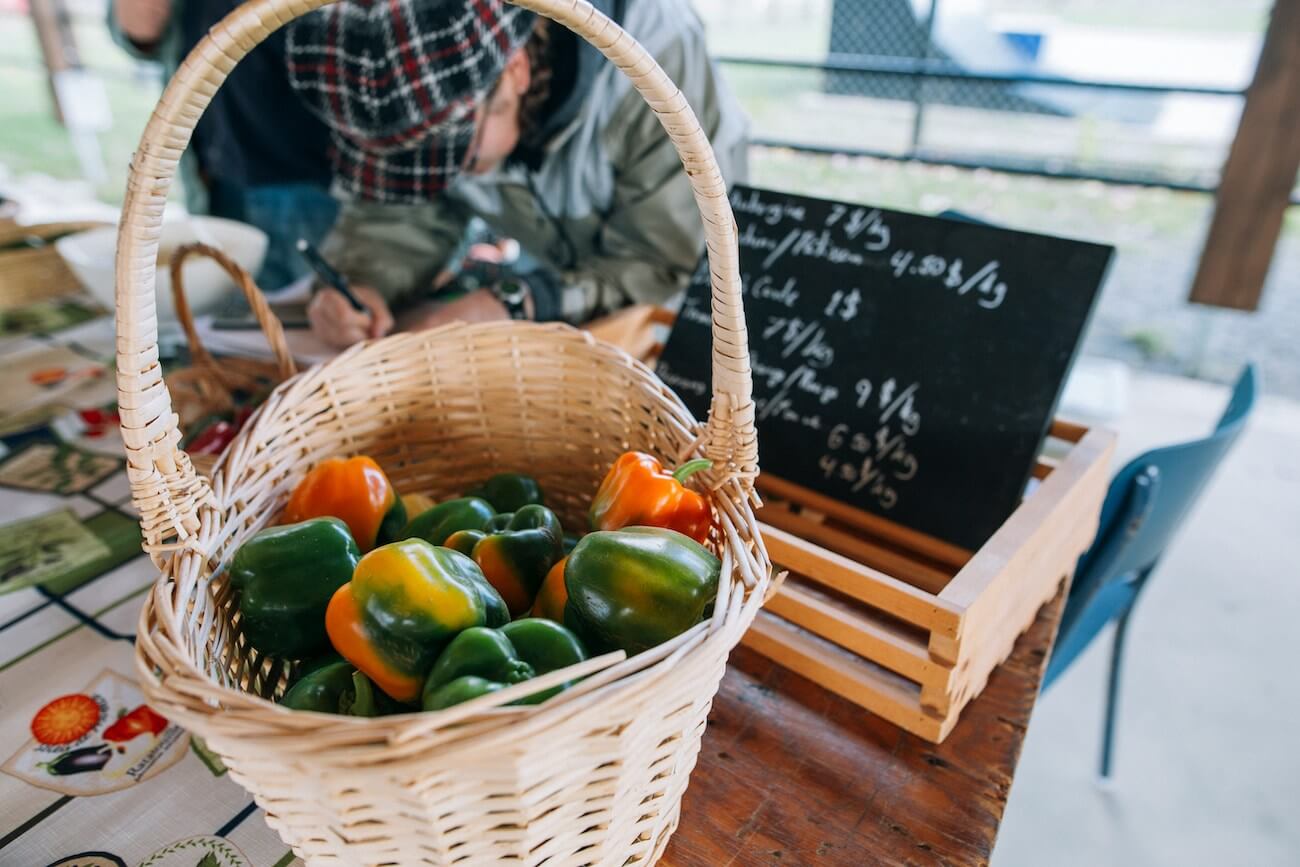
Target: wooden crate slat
{"points": [[861, 582], [857, 633], [910, 569], [1076, 482], [883, 693], [1021, 567], [882, 528]]}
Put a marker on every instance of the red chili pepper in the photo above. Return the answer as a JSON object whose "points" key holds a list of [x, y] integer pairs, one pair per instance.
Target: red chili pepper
{"points": [[137, 722]]}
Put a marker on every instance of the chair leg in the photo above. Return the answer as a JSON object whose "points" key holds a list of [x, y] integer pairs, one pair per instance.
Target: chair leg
{"points": [[1112, 694]]}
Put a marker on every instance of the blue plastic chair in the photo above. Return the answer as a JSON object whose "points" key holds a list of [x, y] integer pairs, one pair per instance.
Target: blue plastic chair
{"points": [[1144, 507]]}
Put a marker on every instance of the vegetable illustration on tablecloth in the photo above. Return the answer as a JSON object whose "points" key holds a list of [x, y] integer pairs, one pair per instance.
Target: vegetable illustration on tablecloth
{"points": [[66, 719]]}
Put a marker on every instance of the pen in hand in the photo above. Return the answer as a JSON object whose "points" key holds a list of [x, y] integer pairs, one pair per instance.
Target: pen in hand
{"points": [[328, 275]]}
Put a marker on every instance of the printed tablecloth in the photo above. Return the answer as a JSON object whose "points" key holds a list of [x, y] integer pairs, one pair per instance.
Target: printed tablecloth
{"points": [[89, 775]]}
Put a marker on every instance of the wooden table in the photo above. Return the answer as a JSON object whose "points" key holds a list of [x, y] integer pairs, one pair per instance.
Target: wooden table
{"points": [[792, 774]]}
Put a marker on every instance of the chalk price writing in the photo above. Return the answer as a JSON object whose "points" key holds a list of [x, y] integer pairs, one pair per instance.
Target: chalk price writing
{"points": [[858, 221], [876, 461], [844, 304], [985, 282], [801, 339]]}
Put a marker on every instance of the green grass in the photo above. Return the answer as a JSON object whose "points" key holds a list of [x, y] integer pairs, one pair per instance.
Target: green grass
{"points": [[31, 140]]}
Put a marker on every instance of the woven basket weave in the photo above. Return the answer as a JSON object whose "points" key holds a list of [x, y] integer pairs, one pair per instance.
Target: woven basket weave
{"points": [[209, 385], [596, 774]]}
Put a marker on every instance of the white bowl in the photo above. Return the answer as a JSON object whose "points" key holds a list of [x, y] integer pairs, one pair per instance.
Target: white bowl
{"points": [[91, 255]]}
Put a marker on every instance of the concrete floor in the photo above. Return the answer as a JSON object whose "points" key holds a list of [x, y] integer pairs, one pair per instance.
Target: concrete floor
{"points": [[1207, 768]]}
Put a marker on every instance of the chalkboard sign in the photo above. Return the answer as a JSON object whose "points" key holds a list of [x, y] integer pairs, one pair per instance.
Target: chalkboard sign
{"points": [[905, 364]]}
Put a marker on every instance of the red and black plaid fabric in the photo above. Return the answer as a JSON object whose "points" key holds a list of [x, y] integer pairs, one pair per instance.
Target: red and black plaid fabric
{"points": [[399, 82]]}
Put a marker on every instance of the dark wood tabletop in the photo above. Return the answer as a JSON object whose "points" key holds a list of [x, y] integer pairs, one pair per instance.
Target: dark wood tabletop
{"points": [[792, 774]]}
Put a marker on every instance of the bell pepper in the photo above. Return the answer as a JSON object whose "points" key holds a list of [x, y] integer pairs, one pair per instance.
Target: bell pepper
{"points": [[140, 721], [479, 661], [404, 603], [339, 688], [436, 524], [509, 492], [515, 553], [636, 588], [552, 598], [286, 576], [417, 503], [638, 491], [356, 491]]}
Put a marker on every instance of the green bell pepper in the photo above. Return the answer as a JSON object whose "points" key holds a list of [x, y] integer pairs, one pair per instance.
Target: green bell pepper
{"points": [[479, 661], [636, 588], [515, 553], [509, 492], [436, 524], [339, 688], [285, 577]]}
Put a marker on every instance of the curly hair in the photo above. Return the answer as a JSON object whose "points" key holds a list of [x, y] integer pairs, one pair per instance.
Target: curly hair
{"points": [[539, 49]]}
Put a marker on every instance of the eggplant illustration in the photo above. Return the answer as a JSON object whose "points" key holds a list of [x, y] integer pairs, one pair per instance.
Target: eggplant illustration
{"points": [[79, 761]]}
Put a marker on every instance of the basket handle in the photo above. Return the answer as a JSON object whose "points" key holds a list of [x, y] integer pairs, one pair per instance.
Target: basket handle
{"points": [[165, 487], [266, 318]]}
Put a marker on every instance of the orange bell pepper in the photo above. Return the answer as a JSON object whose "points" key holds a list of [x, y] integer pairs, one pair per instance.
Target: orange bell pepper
{"points": [[354, 490], [553, 596], [639, 492]]}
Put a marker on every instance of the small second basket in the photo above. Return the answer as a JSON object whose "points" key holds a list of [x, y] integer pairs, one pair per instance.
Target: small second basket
{"points": [[593, 776]]}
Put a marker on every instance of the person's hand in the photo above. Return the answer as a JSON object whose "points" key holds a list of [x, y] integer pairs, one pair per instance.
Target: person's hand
{"points": [[143, 21], [335, 321], [480, 306]]}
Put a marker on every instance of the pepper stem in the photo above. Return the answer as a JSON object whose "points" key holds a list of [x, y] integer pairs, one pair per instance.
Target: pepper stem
{"points": [[690, 468]]}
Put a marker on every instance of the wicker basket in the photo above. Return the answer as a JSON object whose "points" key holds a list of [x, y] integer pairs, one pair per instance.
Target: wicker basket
{"points": [[596, 774], [209, 386]]}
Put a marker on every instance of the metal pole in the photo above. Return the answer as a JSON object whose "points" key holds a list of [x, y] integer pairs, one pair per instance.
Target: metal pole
{"points": [[918, 116]]}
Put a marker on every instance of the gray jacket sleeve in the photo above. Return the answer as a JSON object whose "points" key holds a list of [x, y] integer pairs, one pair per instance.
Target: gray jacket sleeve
{"points": [[396, 248], [653, 236]]}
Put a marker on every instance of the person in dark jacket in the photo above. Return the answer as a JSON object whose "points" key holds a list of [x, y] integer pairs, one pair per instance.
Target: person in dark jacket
{"points": [[442, 111], [258, 155]]}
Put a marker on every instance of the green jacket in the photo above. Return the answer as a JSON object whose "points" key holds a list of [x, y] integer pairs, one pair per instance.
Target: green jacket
{"points": [[616, 221], [167, 53]]}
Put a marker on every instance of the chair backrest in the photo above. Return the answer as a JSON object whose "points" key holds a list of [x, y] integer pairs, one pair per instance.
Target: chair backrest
{"points": [[1145, 505]]}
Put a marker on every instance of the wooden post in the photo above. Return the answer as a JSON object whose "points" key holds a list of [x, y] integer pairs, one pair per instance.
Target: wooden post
{"points": [[58, 47], [1259, 174]]}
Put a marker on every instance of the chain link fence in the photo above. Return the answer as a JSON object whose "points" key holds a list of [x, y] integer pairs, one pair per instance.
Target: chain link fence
{"points": [[1095, 89]]}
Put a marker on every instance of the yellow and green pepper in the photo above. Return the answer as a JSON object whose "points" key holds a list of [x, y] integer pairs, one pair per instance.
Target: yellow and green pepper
{"points": [[405, 602], [515, 552], [480, 661], [286, 576], [636, 588]]}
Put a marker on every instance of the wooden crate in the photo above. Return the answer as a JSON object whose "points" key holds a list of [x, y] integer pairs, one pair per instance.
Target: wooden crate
{"points": [[904, 625]]}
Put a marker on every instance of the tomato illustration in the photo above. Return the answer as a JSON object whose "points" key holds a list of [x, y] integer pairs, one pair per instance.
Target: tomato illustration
{"points": [[66, 719]]}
